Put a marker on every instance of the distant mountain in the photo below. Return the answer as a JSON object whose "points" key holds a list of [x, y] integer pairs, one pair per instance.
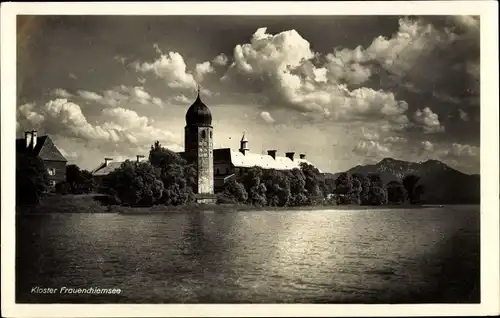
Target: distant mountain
{"points": [[443, 184]]}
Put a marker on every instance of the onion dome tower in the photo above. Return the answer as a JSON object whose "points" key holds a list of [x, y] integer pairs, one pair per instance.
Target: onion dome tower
{"points": [[198, 144]]}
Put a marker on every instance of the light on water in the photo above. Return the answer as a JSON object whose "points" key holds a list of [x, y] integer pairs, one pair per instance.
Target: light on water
{"points": [[338, 256]]}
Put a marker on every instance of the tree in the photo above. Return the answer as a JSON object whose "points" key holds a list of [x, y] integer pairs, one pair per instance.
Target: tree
{"points": [[32, 180], [277, 187], [88, 182], [396, 192], [79, 181], [343, 188], [315, 183], [176, 184], [375, 180], [161, 157], [135, 184], [364, 195], [410, 183], [73, 175], [378, 195], [234, 192], [354, 196], [256, 190], [298, 194], [178, 176], [62, 187], [329, 186]]}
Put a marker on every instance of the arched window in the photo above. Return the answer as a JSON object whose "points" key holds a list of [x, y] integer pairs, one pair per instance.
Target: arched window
{"points": [[203, 134]]}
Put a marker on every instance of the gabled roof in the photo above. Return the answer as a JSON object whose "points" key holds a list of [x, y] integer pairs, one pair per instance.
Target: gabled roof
{"points": [[228, 155], [45, 149], [249, 160], [104, 170]]}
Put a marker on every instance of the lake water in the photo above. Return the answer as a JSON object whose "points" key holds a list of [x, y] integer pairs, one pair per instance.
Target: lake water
{"points": [[339, 256]]}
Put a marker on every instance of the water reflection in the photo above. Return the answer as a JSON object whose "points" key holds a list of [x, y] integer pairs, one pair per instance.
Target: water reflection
{"points": [[286, 256]]}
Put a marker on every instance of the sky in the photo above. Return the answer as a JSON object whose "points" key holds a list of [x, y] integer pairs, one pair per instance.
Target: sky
{"points": [[344, 90]]}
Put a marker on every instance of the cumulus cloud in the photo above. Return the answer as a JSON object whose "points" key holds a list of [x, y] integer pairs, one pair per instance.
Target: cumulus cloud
{"points": [[370, 148], [120, 95], [267, 117], [418, 58], [446, 98], [26, 112], [461, 150], [344, 66], [414, 41], [89, 96], [369, 135], [428, 120], [202, 69], [280, 66], [120, 126], [169, 67], [220, 60], [395, 140], [427, 145], [120, 59], [59, 92], [180, 99]]}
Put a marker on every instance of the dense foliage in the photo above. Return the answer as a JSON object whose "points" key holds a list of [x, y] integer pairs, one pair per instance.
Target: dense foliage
{"points": [[134, 184], [32, 180], [360, 189], [78, 181], [297, 187], [169, 179], [166, 179]]}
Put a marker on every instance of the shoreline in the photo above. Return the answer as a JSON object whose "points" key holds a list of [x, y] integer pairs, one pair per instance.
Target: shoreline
{"points": [[86, 204], [230, 208]]}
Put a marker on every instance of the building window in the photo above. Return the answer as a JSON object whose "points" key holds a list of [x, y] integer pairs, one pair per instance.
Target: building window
{"points": [[210, 135], [51, 171], [217, 172], [52, 183], [203, 134]]}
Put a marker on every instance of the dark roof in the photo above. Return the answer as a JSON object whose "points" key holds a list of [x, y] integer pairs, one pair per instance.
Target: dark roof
{"points": [[45, 149], [198, 114]]}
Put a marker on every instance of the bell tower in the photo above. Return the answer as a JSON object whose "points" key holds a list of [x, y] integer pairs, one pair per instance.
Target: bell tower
{"points": [[198, 147]]}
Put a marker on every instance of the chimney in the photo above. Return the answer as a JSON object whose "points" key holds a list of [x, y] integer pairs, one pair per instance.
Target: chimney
{"points": [[34, 138], [27, 138], [272, 153], [139, 158], [302, 156], [290, 155], [107, 160]]}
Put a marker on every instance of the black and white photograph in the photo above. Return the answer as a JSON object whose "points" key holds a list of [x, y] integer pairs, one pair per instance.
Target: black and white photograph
{"points": [[272, 158]]}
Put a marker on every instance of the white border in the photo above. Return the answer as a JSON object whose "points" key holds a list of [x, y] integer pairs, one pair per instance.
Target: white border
{"points": [[488, 10]]}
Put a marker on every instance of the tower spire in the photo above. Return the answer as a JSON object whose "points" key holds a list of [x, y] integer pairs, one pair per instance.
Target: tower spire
{"points": [[243, 144]]}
